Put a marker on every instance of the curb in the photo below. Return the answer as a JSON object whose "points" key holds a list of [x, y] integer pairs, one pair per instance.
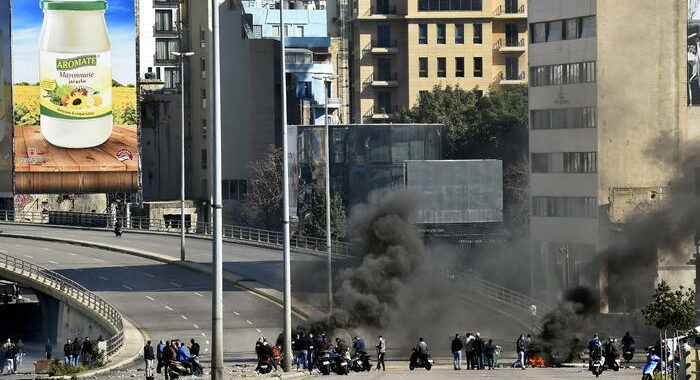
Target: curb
{"points": [[302, 310]]}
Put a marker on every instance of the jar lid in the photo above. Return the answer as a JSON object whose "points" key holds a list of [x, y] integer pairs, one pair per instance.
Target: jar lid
{"points": [[74, 5]]}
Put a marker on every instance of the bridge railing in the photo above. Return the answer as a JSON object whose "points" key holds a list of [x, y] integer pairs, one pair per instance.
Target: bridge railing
{"points": [[239, 233], [73, 291]]}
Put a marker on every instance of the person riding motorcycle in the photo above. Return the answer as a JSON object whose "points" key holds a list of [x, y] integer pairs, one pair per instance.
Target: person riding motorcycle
{"points": [[595, 349], [359, 346], [422, 350], [610, 351], [264, 352], [340, 346]]}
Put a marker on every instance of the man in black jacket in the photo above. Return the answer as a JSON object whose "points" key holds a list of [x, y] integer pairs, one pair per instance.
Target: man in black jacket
{"points": [[86, 350], [479, 347], [77, 346], [150, 359], [169, 355], [194, 348], [457, 347]]}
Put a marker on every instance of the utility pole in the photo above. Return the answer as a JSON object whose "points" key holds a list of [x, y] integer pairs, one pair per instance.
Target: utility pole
{"points": [[181, 57], [329, 238], [288, 355], [217, 318]]}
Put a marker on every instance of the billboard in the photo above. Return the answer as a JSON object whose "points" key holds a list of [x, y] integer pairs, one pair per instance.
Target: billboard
{"points": [[693, 88], [75, 111], [5, 101]]}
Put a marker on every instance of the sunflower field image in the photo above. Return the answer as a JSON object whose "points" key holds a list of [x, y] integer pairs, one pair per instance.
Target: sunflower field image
{"points": [[26, 101]]}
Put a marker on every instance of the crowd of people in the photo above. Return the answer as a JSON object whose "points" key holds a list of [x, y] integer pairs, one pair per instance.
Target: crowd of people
{"points": [[79, 351], [479, 353], [167, 354], [308, 347], [13, 352]]}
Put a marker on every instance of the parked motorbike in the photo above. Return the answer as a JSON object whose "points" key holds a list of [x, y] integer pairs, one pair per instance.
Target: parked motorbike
{"points": [[190, 368], [653, 364], [361, 362], [342, 364], [323, 362], [596, 362], [420, 361], [264, 365], [628, 353]]}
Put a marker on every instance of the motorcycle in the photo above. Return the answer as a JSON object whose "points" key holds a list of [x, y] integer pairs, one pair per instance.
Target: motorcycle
{"points": [[361, 362], [596, 362], [653, 364], [628, 353], [420, 361], [323, 362], [613, 362], [342, 364], [192, 368], [264, 365]]}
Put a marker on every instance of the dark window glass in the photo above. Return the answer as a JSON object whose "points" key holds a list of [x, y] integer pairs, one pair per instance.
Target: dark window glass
{"points": [[478, 67], [459, 33], [423, 67], [539, 32], [555, 30], [478, 37], [441, 34], [422, 34], [442, 67], [459, 67]]}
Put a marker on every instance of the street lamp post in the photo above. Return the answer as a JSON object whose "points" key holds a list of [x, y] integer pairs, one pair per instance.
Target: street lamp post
{"points": [[329, 239], [181, 57], [285, 203]]}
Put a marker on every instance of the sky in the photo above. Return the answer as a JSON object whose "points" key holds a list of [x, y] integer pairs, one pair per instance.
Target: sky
{"points": [[26, 27]]}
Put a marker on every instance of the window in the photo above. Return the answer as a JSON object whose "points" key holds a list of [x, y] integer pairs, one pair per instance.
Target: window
{"points": [[512, 72], [300, 31], [234, 189], [567, 73], [306, 88], [164, 48], [449, 5], [383, 71], [202, 37], [423, 34], [203, 93], [478, 37], [204, 159], [573, 28], [441, 39], [588, 27], [423, 67], [384, 102], [569, 162], [459, 33], [478, 67], [164, 20], [442, 67], [512, 35], [172, 78], [275, 30], [563, 118], [203, 67], [572, 207], [555, 30], [459, 67], [539, 32]]}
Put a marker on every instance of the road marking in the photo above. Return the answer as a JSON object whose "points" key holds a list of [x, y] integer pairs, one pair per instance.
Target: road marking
{"points": [[203, 334], [235, 312], [150, 298], [52, 262], [258, 330], [249, 322], [72, 254], [20, 245], [195, 326], [103, 278], [127, 287], [150, 275], [197, 294], [45, 249], [206, 342], [27, 256], [168, 307], [100, 260], [175, 284], [183, 317]]}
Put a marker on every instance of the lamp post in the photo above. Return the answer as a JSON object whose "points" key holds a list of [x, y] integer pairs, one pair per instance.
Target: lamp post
{"points": [[329, 239], [285, 203], [181, 57]]}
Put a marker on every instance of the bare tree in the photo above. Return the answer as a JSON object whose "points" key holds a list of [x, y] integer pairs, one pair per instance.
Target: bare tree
{"points": [[263, 204], [516, 189]]}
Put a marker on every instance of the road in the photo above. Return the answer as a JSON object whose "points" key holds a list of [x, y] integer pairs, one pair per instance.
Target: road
{"points": [[498, 374]]}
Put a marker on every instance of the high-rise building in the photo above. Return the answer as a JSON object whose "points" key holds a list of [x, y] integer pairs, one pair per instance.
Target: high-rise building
{"points": [[402, 48], [159, 29], [609, 129]]}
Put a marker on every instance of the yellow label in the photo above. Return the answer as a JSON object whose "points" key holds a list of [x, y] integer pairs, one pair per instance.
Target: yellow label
{"points": [[75, 86]]}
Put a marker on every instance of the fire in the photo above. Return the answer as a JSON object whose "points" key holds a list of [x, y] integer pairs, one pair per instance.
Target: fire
{"points": [[536, 361]]}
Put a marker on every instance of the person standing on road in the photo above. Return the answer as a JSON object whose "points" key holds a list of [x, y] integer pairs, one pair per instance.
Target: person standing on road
{"points": [[86, 350], [489, 354], [77, 346], [169, 354], [469, 350], [150, 359], [20, 354], [479, 347], [194, 348], [9, 358], [159, 355], [68, 352], [381, 351], [47, 349], [456, 348], [310, 352], [520, 349]]}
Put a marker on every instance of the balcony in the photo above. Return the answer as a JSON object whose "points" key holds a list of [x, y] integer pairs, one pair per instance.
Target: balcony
{"points": [[510, 12], [164, 31], [511, 45], [333, 103], [511, 79], [383, 10], [384, 47], [381, 113], [382, 80], [166, 3]]}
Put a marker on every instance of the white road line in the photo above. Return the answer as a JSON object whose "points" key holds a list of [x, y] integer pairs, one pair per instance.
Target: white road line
{"points": [[52, 262], [195, 326], [168, 307], [127, 287], [27, 256], [103, 278], [99, 260], [249, 322], [235, 312], [258, 330], [72, 254], [150, 298], [206, 342], [150, 275], [197, 294], [20, 245], [203, 334], [175, 284], [45, 249], [183, 317]]}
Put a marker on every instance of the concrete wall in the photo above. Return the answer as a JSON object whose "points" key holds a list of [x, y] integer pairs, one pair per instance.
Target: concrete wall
{"points": [[72, 323]]}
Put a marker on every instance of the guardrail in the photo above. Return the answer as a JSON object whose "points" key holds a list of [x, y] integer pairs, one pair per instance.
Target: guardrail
{"points": [[73, 291], [237, 233]]}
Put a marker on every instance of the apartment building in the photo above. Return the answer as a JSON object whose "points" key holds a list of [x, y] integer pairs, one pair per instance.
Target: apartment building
{"points": [[402, 48], [609, 129], [159, 27]]}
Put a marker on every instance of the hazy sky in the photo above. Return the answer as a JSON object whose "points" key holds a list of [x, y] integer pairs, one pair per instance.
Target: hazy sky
{"points": [[26, 26]]}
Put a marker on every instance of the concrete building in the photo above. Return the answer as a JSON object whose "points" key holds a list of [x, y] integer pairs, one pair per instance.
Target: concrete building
{"points": [[6, 115], [159, 28], [609, 127], [401, 48]]}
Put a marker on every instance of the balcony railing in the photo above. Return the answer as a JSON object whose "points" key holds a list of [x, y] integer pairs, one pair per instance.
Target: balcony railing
{"points": [[384, 44], [508, 11], [510, 76], [379, 112], [510, 43]]}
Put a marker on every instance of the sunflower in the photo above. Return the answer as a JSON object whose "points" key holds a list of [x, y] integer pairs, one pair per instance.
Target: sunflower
{"points": [[77, 101]]}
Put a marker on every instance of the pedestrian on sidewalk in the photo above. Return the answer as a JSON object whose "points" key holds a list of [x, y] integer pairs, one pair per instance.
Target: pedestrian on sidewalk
{"points": [[68, 352], [20, 354], [381, 351], [150, 359], [310, 351], [77, 346], [457, 347], [469, 350], [159, 355], [169, 354], [520, 349], [47, 349], [9, 359], [86, 350], [489, 354], [479, 347]]}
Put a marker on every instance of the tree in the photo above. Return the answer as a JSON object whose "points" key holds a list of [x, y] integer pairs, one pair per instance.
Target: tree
{"points": [[671, 309], [315, 221], [263, 203]]}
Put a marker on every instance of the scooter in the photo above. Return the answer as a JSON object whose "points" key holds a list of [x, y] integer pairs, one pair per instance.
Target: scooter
{"points": [[628, 353], [613, 362], [420, 361], [342, 364], [653, 364], [323, 362], [177, 369], [596, 362], [264, 365], [361, 362]]}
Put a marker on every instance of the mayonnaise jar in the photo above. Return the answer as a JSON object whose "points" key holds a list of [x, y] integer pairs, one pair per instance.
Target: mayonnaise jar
{"points": [[75, 74]]}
